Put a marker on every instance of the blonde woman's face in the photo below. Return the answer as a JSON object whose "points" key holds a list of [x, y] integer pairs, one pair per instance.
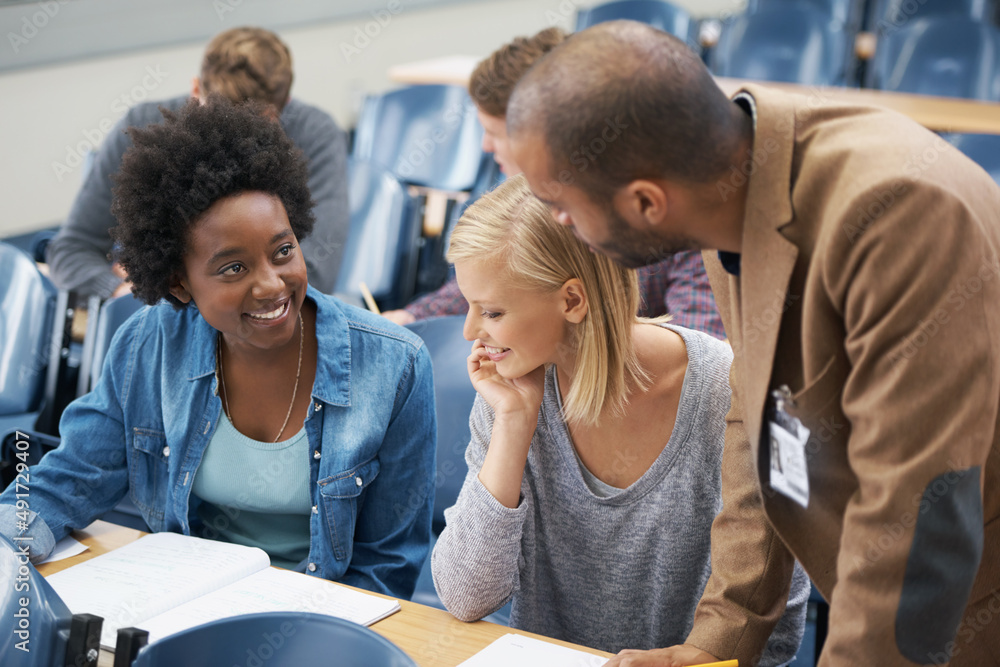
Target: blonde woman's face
{"points": [[522, 329]]}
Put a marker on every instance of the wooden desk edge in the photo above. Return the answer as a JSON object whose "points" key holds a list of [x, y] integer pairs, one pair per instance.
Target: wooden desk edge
{"points": [[428, 635]]}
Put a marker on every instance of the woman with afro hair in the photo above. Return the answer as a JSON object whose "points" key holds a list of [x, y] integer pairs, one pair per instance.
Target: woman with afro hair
{"points": [[242, 404]]}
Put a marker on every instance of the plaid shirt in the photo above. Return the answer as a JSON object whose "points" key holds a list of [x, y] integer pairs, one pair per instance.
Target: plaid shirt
{"points": [[677, 285]]}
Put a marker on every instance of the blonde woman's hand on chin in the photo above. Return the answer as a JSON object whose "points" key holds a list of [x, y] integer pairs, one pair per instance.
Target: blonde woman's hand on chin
{"points": [[515, 404], [518, 397]]}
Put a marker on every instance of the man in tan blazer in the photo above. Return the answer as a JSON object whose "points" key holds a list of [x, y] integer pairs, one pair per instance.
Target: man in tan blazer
{"points": [[854, 258]]}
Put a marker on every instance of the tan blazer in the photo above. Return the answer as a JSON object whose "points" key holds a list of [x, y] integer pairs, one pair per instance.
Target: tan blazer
{"points": [[869, 284]]}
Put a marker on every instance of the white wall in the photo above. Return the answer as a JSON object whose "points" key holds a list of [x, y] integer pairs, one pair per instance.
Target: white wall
{"points": [[49, 114]]}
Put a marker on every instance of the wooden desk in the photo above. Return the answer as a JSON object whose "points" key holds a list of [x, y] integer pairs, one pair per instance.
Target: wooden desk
{"points": [[941, 114], [431, 637]]}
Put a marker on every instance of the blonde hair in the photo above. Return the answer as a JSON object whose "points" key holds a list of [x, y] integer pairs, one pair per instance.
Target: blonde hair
{"points": [[513, 227], [248, 63]]}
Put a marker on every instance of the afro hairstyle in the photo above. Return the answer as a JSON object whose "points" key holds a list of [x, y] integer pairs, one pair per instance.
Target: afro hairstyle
{"points": [[176, 170]]}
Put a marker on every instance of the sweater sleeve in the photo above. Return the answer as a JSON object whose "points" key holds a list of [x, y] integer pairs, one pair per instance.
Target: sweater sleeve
{"points": [[78, 256], [325, 147], [476, 560]]}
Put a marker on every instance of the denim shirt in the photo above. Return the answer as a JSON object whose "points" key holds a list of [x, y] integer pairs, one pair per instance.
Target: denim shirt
{"points": [[144, 428]]}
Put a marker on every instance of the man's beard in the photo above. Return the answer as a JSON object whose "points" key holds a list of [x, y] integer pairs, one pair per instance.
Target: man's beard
{"points": [[633, 248]]}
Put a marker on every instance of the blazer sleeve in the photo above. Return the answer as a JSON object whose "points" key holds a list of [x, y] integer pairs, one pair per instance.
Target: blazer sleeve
{"points": [[919, 289], [751, 568]]}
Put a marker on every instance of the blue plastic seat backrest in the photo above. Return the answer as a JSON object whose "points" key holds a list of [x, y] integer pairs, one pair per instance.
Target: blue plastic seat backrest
{"points": [[36, 632], [950, 56], [27, 309], [886, 16], [793, 43], [848, 12], [381, 234], [113, 314], [275, 639], [983, 149], [424, 135], [661, 15], [454, 396]]}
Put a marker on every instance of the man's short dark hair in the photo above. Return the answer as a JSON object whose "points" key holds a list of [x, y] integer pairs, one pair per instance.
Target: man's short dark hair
{"points": [[174, 171], [622, 101]]}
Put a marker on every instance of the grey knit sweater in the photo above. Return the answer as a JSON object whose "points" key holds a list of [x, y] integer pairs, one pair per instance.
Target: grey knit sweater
{"points": [[625, 571]]}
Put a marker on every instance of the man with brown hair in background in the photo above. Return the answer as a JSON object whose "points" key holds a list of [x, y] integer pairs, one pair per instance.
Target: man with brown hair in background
{"points": [[240, 64]]}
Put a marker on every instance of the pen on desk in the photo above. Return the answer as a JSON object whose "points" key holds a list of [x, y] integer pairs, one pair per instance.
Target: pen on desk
{"points": [[722, 663], [369, 299]]}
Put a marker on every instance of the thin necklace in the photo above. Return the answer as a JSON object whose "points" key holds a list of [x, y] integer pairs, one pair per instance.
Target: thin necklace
{"points": [[298, 371]]}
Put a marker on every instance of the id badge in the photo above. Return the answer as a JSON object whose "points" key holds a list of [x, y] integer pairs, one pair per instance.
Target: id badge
{"points": [[788, 438]]}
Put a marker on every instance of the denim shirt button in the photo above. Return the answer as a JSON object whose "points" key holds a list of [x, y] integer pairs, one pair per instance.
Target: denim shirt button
{"points": [[316, 454], [315, 509], [166, 451], [311, 567], [357, 480], [317, 406]]}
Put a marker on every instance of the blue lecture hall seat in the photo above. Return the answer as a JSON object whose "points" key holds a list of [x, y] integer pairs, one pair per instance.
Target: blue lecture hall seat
{"points": [[380, 248], [984, 149], [951, 56], [794, 43], [424, 135], [846, 12], [454, 396], [662, 15], [275, 639], [112, 315], [27, 312], [886, 16]]}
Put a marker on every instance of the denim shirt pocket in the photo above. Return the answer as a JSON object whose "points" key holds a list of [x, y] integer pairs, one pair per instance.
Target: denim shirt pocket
{"points": [[342, 496], [148, 473]]}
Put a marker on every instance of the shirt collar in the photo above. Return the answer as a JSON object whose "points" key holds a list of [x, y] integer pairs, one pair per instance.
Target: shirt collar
{"points": [[333, 343]]}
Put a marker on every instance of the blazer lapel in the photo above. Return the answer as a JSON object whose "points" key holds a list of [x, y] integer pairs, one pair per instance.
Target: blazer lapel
{"points": [[768, 258]]}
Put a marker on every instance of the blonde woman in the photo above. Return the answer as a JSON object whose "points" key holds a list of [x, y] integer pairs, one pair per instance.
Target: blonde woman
{"points": [[594, 465]]}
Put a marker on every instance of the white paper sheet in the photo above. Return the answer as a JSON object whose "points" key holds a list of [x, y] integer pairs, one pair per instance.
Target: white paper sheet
{"points": [[524, 651], [65, 548]]}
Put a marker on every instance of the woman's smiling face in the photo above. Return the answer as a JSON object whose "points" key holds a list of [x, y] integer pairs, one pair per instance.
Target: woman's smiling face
{"points": [[244, 271], [522, 329]]}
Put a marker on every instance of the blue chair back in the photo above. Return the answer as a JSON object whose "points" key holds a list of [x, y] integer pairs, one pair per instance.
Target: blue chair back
{"points": [[424, 135], [983, 149], [847, 12], [661, 15], [793, 43], [27, 311], [454, 396], [112, 315], [45, 629], [886, 16], [275, 639], [381, 241], [950, 56]]}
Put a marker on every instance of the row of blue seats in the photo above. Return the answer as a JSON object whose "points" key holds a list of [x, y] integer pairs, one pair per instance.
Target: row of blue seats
{"points": [[936, 47]]}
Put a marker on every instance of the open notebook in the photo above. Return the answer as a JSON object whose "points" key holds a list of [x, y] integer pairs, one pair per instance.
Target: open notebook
{"points": [[165, 583]]}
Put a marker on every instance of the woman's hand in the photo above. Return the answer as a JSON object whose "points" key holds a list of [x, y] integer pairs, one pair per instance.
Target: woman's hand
{"points": [[515, 404], [510, 399]]}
